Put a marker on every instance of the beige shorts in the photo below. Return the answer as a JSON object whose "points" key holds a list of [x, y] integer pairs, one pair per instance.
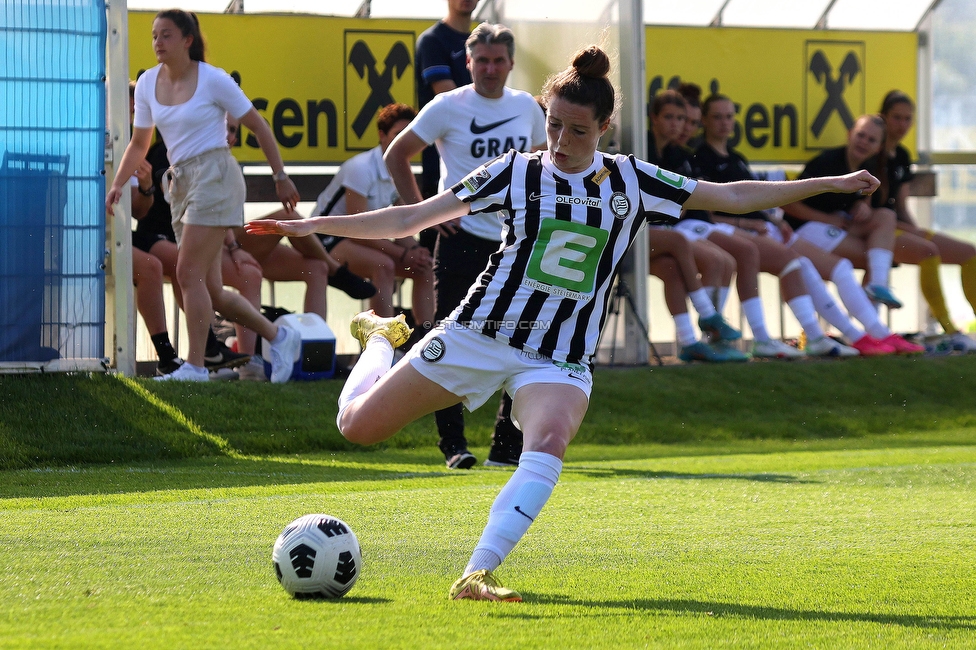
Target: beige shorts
{"points": [[474, 366], [206, 190]]}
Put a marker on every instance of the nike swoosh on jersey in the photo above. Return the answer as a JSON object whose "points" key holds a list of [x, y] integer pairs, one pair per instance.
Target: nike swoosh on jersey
{"points": [[536, 197], [457, 55], [478, 129]]}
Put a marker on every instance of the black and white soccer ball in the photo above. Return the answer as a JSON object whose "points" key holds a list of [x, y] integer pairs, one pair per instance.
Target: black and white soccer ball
{"points": [[317, 556]]}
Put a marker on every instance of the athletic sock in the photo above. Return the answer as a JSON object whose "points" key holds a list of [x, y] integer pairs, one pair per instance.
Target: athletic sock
{"points": [[164, 348], [753, 310], [374, 362], [712, 293], [213, 345], [515, 508], [683, 330], [825, 304], [857, 302], [802, 308], [702, 304], [879, 265], [723, 297], [968, 271], [932, 290]]}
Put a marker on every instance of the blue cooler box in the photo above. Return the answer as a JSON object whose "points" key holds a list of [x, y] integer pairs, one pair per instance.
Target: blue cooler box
{"points": [[317, 356]]}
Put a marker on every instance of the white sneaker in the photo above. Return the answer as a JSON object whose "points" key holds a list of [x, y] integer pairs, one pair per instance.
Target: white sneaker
{"points": [[828, 347], [186, 372], [962, 343], [253, 370], [284, 354], [773, 349]]}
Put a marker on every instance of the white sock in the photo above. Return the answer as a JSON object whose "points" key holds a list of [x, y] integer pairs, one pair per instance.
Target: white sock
{"points": [[825, 304], [278, 337], [374, 362], [802, 308], [723, 297], [515, 508], [683, 329], [702, 303], [856, 301], [753, 310], [712, 293], [879, 265]]}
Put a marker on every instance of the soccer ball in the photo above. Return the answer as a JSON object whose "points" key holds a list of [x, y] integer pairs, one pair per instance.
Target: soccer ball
{"points": [[317, 556]]}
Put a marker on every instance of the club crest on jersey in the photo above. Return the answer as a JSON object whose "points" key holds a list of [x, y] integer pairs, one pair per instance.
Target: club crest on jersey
{"points": [[434, 350], [473, 182], [619, 204]]}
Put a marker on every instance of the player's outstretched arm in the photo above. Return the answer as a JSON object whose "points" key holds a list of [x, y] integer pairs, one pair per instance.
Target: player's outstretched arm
{"points": [[394, 221], [745, 196]]}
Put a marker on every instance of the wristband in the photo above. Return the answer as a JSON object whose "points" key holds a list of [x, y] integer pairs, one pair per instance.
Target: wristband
{"points": [[148, 192]]}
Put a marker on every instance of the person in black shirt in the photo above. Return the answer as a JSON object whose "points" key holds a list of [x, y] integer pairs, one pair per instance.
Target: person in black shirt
{"points": [[754, 254], [898, 110], [846, 224], [676, 260]]}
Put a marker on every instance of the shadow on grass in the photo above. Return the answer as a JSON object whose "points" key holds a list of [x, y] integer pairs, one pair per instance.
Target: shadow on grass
{"points": [[193, 474], [732, 610], [610, 472], [345, 600]]}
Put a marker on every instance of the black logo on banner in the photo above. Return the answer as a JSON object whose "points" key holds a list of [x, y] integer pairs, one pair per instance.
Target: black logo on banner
{"points": [[835, 85], [377, 65], [362, 60], [834, 90]]}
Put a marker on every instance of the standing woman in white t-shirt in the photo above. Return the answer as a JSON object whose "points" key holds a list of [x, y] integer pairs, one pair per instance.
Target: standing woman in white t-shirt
{"points": [[187, 100]]}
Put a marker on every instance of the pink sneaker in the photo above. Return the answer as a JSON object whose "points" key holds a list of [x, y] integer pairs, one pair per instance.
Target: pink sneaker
{"points": [[869, 346], [902, 346]]}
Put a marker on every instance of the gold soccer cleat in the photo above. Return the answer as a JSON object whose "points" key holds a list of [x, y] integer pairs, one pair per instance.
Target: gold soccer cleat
{"points": [[482, 585], [367, 323]]}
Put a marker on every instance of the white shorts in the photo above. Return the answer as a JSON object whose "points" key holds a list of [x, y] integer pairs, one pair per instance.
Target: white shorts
{"points": [[474, 366], [776, 235], [821, 235], [695, 229]]}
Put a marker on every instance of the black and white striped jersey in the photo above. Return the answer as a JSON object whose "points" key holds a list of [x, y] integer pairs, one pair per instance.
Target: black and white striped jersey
{"points": [[547, 288]]}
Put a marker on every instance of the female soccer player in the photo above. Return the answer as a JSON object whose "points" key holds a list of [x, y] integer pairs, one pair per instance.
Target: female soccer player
{"points": [[188, 99], [898, 110], [532, 320]]}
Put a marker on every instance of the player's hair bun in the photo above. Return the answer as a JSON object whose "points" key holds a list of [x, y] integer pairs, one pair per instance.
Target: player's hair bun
{"points": [[592, 62]]}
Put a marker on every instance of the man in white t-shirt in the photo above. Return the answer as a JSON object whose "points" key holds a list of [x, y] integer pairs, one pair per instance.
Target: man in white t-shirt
{"points": [[470, 126]]}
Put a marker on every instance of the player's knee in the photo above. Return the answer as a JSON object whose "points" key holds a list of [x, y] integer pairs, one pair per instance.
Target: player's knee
{"points": [[885, 217]]}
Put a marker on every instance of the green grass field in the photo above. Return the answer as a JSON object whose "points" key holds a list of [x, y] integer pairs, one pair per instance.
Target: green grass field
{"points": [[825, 505]]}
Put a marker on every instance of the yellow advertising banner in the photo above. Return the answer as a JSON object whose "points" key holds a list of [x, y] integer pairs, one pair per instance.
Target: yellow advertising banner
{"points": [[796, 92], [318, 80]]}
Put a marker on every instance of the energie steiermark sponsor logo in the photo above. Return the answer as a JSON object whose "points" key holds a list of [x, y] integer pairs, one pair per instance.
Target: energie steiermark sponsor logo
{"points": [[565, 258]]}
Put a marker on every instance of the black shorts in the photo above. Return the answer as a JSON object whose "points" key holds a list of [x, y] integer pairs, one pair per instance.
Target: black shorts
{"points": [[329, 241], [144, 241], [459, 261]]}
